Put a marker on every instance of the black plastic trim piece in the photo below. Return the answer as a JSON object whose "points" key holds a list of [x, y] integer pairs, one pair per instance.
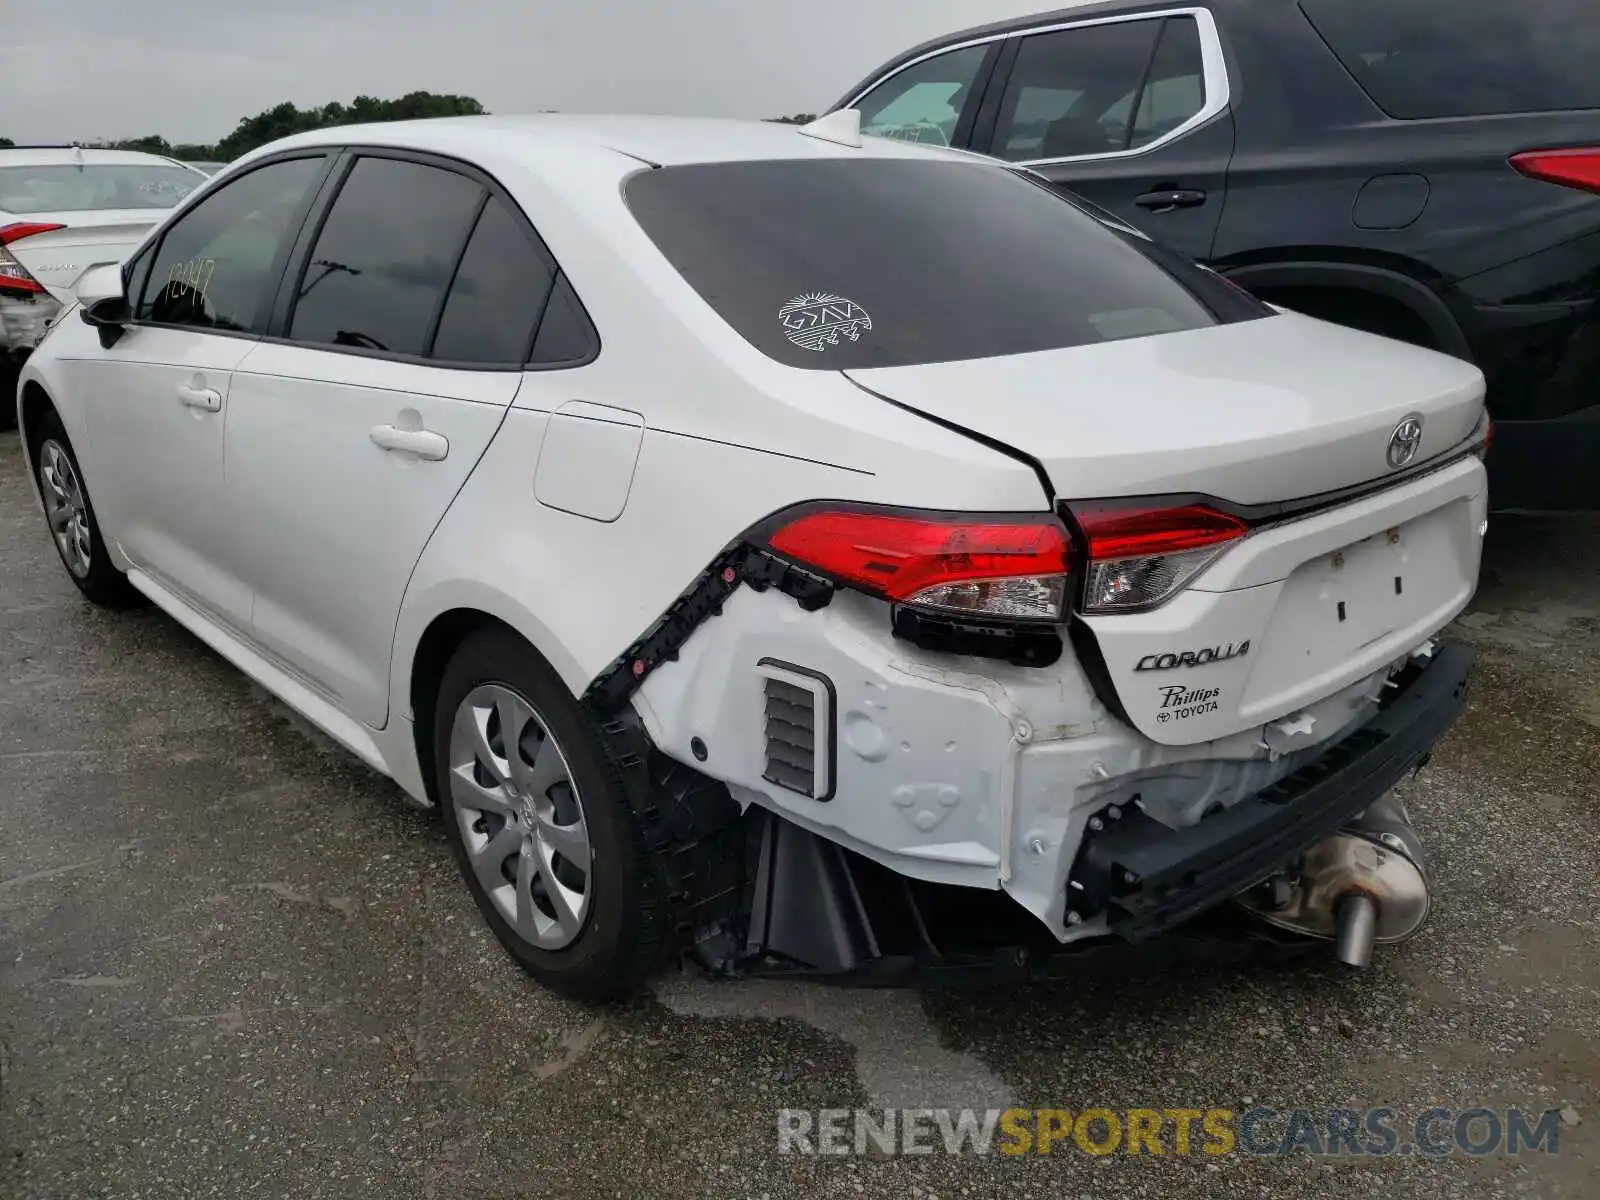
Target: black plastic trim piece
{"points": [[831, 732], [688, 823], [701, 601], [1022, 644], [1148, 878]]}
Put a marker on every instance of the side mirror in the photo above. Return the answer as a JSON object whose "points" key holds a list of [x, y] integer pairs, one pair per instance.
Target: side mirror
{"points": [[104, 302], [108, 315]]}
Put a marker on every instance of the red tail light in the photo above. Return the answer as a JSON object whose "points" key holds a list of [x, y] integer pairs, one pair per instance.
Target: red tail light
{"points": [[1571, 168], [14, 276], [998, 567], [1140, 558]]}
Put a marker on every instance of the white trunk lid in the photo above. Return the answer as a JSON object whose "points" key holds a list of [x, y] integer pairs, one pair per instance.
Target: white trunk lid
{"points": [[1255, 413], [59, 257]]}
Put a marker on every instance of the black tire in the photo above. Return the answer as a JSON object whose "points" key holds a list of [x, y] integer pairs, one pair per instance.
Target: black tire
{"points": [[8, 395], [102, 583], [626, 930]]}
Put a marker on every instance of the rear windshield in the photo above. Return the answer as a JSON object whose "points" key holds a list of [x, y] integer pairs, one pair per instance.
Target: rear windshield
{"points": [[93, 187], [1427, 58], [837, 263]]}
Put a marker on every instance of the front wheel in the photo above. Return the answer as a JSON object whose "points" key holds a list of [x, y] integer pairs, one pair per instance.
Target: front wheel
{"points": [[541, 829], [72, 522]]}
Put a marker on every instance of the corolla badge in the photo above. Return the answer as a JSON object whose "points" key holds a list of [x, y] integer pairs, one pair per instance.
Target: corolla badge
{"points": [[816, 320], [1405, 441]]}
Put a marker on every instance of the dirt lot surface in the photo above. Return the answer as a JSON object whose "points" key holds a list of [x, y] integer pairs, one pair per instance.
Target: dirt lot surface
{"points": [[234, 963]]}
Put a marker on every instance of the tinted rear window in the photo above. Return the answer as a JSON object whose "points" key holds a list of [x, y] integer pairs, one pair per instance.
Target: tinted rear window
{"points": [[837, 263], [1425, 58]]}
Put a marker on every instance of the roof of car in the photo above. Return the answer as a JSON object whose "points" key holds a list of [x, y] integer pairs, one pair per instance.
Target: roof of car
{"points": [[999, 29], [44, 156], [657, 140]]}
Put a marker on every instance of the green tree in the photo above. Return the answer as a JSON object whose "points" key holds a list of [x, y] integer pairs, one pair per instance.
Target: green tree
{"points": [[6, 143], [150, 145], [285, 119]]}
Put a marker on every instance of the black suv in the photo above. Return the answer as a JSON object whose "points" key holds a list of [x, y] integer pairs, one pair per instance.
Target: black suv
{"points": [[1424, 170]]}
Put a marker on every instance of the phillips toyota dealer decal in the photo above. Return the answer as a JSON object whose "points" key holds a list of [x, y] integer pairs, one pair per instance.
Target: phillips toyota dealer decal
{"points": [[1192, 658]]}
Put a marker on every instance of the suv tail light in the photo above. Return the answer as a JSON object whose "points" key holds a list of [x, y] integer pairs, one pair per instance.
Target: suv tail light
{"points": [[1140, 557], [1571, 168], [1006, 568], [14, 276]]}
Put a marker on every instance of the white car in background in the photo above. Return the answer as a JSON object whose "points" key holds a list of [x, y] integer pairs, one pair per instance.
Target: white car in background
{"points": [[826, 556], [65, 210]]}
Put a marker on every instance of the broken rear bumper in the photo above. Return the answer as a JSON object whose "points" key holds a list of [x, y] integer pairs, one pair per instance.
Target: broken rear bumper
{"points": [[1146, 878], [24, 320], [810, 908]]}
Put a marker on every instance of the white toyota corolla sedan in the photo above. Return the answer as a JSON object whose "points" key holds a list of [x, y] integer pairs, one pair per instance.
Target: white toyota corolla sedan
{"points": [[811, 554]]}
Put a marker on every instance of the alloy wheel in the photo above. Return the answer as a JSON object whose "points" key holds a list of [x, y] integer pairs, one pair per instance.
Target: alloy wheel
{"points": [[520, 816]]}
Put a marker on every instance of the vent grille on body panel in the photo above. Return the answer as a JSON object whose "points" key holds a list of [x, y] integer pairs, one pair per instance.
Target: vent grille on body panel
{"points": [[798, 730]]}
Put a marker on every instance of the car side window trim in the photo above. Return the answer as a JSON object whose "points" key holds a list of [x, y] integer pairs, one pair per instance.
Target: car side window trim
{"points": [[281, 259], [344, 160], [1213, 61]]}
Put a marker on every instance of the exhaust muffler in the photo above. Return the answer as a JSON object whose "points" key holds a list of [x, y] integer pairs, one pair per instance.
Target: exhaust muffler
{"points": [[1365, 885]]}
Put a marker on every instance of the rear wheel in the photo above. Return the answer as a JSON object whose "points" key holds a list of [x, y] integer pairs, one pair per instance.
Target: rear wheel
{"points": [[541, 829], [71, 519]]}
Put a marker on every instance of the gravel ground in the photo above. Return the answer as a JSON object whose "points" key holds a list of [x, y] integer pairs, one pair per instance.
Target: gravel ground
{"points": [[234, 963]]}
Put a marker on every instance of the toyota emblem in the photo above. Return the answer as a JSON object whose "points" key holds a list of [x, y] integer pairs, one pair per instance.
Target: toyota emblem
{"points": [[1405, 441]]}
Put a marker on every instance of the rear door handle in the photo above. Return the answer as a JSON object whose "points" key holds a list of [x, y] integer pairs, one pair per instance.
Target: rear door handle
{"points": [[204, 398], [423, 443], [1168, 199]]}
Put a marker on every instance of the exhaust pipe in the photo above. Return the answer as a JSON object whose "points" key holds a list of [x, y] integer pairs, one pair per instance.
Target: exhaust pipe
{"points": [[1355, 928], [1365, 885]]}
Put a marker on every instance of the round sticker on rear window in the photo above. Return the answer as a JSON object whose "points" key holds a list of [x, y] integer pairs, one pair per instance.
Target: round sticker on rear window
{"points": [[816, 320]]}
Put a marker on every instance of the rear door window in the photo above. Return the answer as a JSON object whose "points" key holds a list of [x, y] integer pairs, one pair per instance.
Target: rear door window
{"points": [[1072, 91], [1421, 58], [840, 263], [377, 275]]}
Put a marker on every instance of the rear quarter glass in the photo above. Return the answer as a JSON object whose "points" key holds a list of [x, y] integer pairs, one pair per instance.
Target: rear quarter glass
{"points": [[841, 264], [1422, 58]]}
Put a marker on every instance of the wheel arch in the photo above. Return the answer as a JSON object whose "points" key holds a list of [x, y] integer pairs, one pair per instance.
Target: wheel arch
{"points": [[1386, 282], [33, 403], [426, 643]]}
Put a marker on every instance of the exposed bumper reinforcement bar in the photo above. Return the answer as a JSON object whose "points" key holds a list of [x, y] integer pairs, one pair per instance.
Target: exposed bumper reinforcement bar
{"points": [[1148, 878]]}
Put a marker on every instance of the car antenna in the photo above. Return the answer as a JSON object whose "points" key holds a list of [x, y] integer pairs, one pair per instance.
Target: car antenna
{"points": [[841, 127]]}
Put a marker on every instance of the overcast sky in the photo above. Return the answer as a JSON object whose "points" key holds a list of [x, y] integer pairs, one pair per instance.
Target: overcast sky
{"points": [[189, 69]]}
